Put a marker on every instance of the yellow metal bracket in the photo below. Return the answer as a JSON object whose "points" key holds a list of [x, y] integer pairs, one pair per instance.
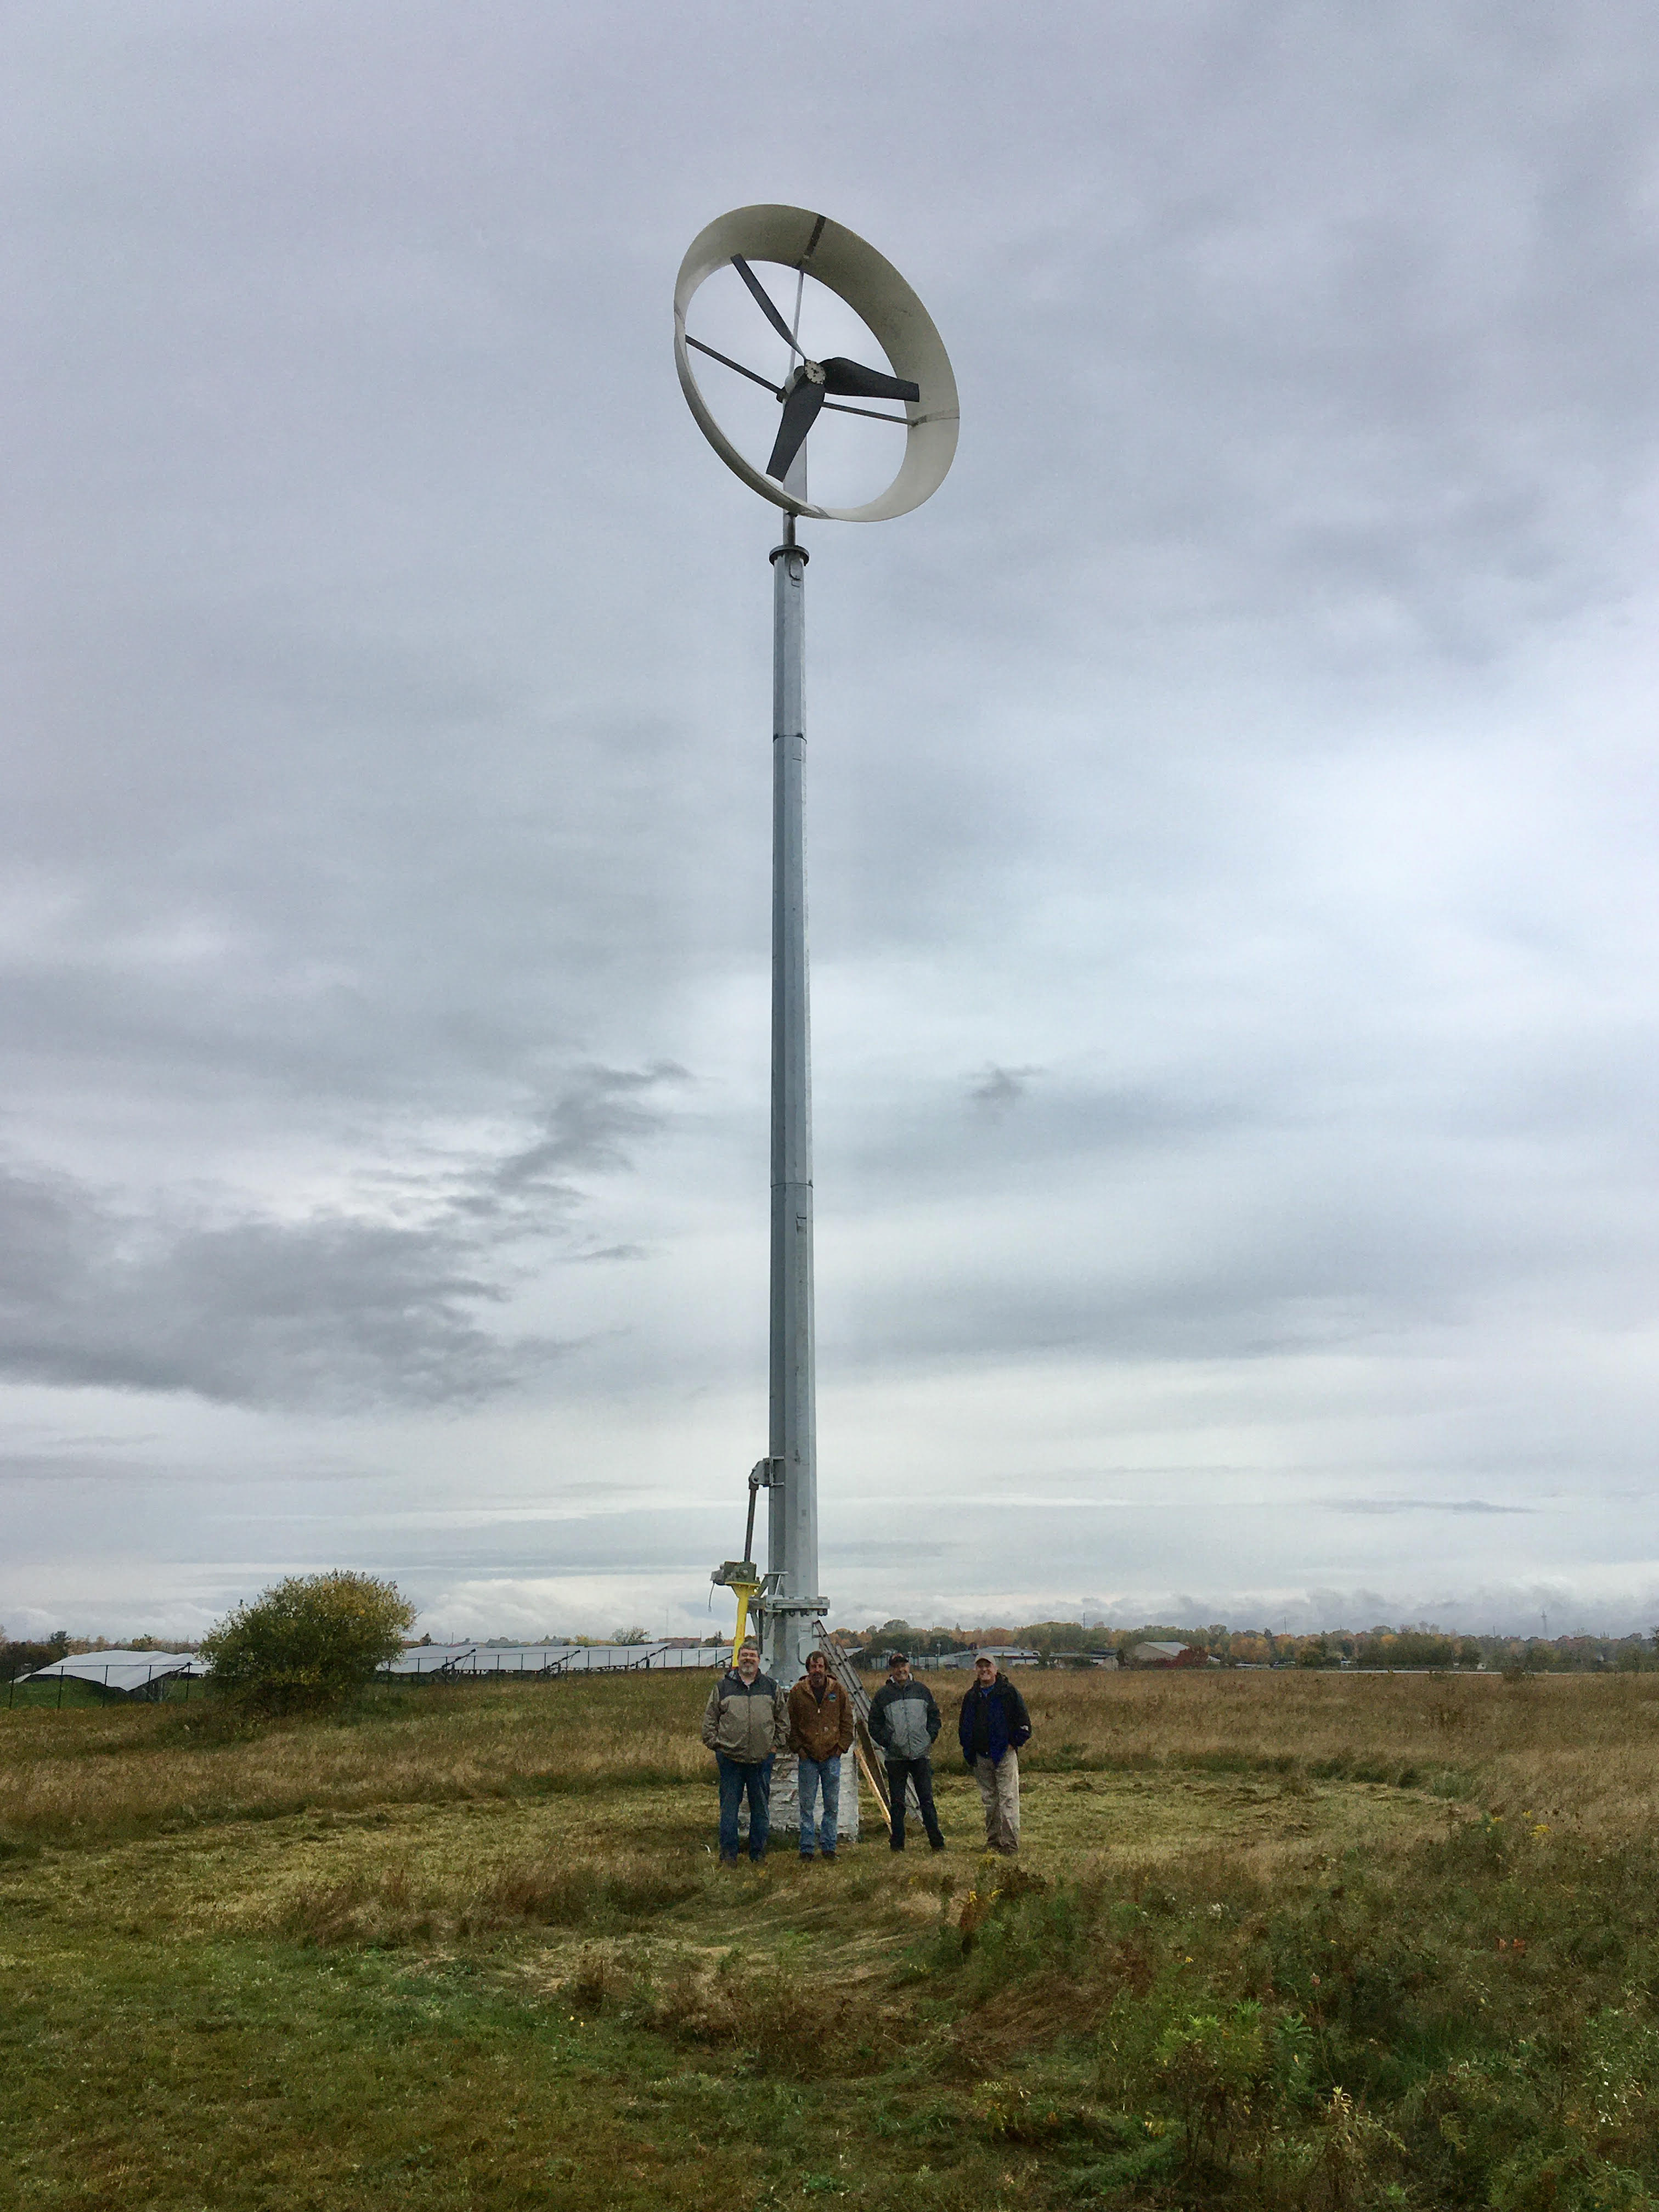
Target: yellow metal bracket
{"points": [[742, 1579]]}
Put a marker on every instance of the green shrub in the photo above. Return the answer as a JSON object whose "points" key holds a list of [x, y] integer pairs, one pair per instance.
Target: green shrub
{"points": [[308, 1644]]}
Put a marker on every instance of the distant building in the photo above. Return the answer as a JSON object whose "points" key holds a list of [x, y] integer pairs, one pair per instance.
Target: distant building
{"points": [[1169, 1654]]}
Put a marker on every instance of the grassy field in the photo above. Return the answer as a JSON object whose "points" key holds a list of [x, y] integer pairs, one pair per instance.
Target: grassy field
{"points": [[1286, 1939]]}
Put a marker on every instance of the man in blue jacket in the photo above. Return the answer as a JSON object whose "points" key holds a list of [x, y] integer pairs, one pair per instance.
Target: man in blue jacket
{"points": [[904, 1720], [993, 1724]]}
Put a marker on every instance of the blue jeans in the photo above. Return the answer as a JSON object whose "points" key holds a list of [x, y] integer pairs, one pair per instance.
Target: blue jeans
{"points": [[737, 1776], [920, 1771], [816, 1774]]}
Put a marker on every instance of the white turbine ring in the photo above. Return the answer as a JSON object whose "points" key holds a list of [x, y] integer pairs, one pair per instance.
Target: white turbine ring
{"points": [[874, 290]]}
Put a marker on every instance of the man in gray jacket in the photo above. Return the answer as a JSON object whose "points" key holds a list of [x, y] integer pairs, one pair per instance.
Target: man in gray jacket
{"points": [[745, 1724], [904, 1720]]}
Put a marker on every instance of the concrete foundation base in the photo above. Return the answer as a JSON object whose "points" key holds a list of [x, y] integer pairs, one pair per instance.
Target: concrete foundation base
{"points": [[786, 1799]]}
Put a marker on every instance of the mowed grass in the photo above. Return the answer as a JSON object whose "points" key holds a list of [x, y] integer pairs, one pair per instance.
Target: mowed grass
{"points": [[1274, 1939]]}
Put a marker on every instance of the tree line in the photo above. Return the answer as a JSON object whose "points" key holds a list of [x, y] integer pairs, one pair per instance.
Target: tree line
{"points": [[1057, 1642]]}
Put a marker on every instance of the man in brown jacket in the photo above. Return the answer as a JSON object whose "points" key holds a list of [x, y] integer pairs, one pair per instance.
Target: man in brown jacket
{"points": [[820, 1730]]}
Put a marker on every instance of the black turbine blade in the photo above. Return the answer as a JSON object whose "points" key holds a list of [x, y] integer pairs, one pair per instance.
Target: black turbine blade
{"points": [[800, 412], [763, 299], [850, 379]]}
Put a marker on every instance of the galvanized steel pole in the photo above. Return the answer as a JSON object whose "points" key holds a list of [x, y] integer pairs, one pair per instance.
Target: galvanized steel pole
{"points": [[793, 1502]]}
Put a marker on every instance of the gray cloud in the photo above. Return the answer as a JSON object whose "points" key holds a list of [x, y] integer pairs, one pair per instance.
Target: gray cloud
{"points": [[588, 1127], [331, 1311], [325, 1311], [1420, 1506], [1253, 738], [997, 1089]]}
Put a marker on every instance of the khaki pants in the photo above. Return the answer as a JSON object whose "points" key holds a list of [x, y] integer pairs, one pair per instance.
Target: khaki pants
{"points": [[999, 1792]]}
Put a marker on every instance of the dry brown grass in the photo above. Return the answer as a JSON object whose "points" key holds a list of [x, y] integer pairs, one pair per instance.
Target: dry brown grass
{"points": [[129, 1768], [1582, 1748], [392, 1906], [1586, 1747]]}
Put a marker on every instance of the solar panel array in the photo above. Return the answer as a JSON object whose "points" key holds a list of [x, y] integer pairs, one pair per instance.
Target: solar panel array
{"points": [[126, 1671], [132, 1672], [471, 1660]]}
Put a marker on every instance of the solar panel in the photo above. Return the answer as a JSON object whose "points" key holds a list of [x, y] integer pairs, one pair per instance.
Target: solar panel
{"points": [[125, 1671]]}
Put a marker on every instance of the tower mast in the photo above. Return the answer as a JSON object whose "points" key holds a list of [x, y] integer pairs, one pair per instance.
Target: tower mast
{"points": [[793, 1596]]}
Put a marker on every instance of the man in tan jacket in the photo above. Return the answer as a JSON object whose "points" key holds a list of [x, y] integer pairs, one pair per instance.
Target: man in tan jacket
{"points": [[745, 1724], [820, 1730]]}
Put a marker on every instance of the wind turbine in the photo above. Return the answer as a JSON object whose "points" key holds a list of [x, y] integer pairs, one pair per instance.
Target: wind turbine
{"points": [[807, 248]]}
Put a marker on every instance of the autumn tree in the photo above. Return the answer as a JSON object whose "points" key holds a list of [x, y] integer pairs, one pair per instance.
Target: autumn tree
{"points": [[308, 1644]]}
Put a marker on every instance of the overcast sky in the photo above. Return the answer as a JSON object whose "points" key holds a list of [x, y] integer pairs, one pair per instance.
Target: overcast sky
{"points": [[1231, 817]]}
